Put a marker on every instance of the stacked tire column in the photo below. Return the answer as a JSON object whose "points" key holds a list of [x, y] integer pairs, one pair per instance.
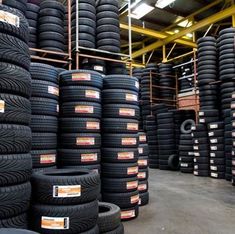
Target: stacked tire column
{"points": [[120, 144], [80, 114], [45, 111], [233, 138], [15, 113], [108, 31]]}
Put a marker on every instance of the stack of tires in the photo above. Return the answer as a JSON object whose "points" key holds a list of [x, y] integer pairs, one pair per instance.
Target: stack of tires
{"points": [[65, 201], [115, 68], [151, 130], [32, 14], [15, 113], [217, 159], [109, 220], [94, 65], [207, 73], [167, 83], [51, 26], [143, 167], [44, 120], [80, 114], [107, 26], [86, 23], [166, 139], [20, 5], [233, 139], [186, 152], [227, 87], [201, 150], [120, 144]]}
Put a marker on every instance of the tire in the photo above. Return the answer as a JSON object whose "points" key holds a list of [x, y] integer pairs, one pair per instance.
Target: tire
{"points": [[43, 158], [80, 217], [15, 169], [123, 200], [15, 231], [109, 217], [173, 162], [186, 126], [144, 199], [17, 51], [41, 141], [14, 200], [15, 110], [15, 139], [129, 213], [49, 123], [20, 32], [20, 221]]}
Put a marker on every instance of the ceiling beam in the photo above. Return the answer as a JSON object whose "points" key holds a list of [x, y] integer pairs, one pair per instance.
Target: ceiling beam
{"points": [[203, 23], [156, 34]]}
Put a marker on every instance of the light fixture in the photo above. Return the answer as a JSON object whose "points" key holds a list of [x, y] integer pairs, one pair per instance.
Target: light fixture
{"points": [[163, 3], [190, 35], [176, 31], [141, 10], [183, 24]]}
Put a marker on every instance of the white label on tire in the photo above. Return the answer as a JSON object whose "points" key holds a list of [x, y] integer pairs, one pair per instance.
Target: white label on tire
{"points": [[81, 77], [132, 170], [67, 191], [89, 157], [202, 120], [141, 175], [195, 172], [137, 84], [84, 109], [212, 161], [92, 94], [142, 138], [127, 214], [98, 68], [184, 164], [212, 155], [191, 153], [135, 199], [214, 140], [196, 167], [126, 112], [57, 108], [47, 158], [131, 97], [55, 223], [129, 141], [2, 106], [132, 126], [213, 126], [132, 185], [93, 125], [196, 154], [214, 175], [85, 141], [201, 113], [214, 168], [10, 18], [53, 90], [195, 147], [211, 134], [125, 155], [233, 162], [141, 150], [213, 147], [196, 141], [142, 162]]}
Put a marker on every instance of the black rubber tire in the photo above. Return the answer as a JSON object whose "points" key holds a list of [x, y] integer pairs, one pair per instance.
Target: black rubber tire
{"points": [[144, 199], [81, 217], [15, 169], [49, 123], [14, 200], [129, 213], [188, 122], [109, 217], [42, 140], [20, 221], [46, 186], [16, 231]]}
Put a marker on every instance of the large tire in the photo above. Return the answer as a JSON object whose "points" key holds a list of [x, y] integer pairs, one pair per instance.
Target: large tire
{"points": [[20, 221]]}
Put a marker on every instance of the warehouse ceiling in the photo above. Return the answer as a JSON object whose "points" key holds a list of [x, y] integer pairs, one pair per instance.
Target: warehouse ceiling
{"points": [[160, 19]]}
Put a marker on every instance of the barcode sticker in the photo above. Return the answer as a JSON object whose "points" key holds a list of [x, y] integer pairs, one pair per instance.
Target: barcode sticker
{"points": [[125, 155], [81, 77], [47, 158], [67, 191], [55, 223]]}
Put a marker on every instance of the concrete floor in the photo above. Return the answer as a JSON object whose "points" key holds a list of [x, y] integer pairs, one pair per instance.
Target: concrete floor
{"points": [[186, 204]]}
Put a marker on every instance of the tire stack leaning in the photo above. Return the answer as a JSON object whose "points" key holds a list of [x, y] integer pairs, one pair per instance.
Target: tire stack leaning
{"points": [[217, 159], [32, 14], [45, 111], [120, 144], [143, 163], [15, 114], [86, 24], [80, 114], [227, 87], [51, 26], [65, 201], [186, 152], [107, 26]]}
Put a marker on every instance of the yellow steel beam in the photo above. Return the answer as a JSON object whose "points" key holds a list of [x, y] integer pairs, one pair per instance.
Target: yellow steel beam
{"points": [[207, 21], [156, 34]]}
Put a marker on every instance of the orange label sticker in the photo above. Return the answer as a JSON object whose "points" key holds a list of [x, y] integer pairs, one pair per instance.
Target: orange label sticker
{"points": [[131, 97], [89, 157], [84, 109], [132, 185], [135, 199], [125, 155], [128, 141], [132, 170], [141, 175], [141, 150], [81, 77], [85, 141], [67, 191], [126, 112], [142, 187], [93, 125], [143, 162], [9, 18], [127, 214], [47, 158], [53, 90], [132, 126], [142, 138], [2, 106], [92, 94], [55, 223]]}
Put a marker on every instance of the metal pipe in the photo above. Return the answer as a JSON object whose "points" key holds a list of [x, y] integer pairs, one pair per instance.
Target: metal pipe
{"points": [[77, 34], [69, 35], [130, 34]]}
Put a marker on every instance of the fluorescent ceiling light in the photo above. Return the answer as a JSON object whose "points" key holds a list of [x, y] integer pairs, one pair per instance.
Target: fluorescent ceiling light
{"points": [[185, 23], [190, 35], [141, 10], [163, 3], [176, 31]]}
